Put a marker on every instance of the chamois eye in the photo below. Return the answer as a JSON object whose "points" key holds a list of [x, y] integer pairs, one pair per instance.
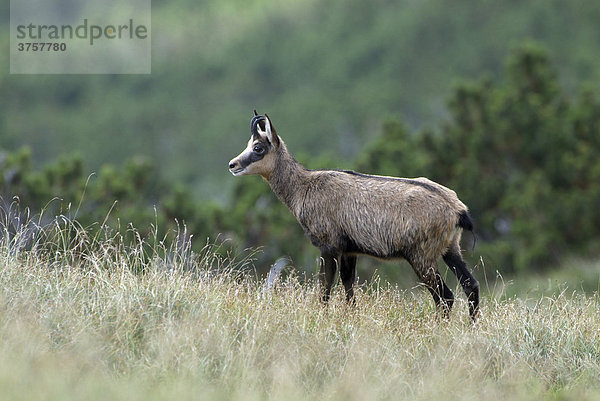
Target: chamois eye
{"points": [[259, 149]]}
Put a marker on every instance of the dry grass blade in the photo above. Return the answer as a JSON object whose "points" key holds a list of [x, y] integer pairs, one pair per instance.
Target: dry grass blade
{"points": [[98, 317]]}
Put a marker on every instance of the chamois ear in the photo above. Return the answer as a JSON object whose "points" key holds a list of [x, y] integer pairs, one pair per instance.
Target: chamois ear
{"points": [[270, 131]]}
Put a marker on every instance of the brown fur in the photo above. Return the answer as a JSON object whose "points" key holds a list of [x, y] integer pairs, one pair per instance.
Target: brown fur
{"points": [[346, 214]]}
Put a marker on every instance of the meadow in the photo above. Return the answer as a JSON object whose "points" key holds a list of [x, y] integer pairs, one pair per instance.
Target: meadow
{"points": [[88, 314]]}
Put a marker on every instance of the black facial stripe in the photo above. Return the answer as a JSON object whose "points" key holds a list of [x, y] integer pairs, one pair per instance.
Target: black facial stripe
{"points": [[251, 158], [264, 142]]}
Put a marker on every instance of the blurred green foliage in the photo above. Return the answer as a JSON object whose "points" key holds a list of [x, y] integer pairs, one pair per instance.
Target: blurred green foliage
{"points": [[328, 72], [521, 153], [519, 146]]}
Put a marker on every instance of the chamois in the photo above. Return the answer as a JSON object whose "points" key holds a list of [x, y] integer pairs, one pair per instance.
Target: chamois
{"points": [[345, 214]]}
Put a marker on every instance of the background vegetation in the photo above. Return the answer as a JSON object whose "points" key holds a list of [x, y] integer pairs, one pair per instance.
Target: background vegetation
{"points": [[521, 153], [499, 102]]}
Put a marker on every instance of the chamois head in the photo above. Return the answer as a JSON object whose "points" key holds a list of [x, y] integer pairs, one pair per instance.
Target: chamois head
{"points": [[259, 155]]}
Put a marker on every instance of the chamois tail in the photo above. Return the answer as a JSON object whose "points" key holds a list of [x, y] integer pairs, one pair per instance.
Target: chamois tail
{"points": [[465, 222]]}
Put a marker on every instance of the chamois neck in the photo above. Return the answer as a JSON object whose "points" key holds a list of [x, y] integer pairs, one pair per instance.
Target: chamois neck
{"points": [[288, 178]]}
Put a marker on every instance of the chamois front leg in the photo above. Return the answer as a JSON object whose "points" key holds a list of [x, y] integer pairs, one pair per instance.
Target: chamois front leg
{"points": [[348, 275], [327, 274]]}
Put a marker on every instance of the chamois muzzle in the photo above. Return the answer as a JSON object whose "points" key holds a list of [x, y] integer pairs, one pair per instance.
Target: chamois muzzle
{"points": [[235, 168]]}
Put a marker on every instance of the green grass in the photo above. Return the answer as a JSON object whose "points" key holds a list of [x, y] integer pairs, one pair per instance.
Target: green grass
{"points": [[76, 322], [573, 274]]}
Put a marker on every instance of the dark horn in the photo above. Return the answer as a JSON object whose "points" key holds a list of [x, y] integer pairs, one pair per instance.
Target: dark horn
{"points": [[255, 120]]}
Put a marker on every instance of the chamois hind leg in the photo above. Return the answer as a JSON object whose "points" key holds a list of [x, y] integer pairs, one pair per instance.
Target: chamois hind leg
{"points": [[470, 285], [327, 274], [348, 275], [430, 276]]}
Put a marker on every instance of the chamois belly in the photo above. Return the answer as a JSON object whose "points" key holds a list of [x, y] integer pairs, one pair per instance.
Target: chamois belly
{"points": [[386, 236]]}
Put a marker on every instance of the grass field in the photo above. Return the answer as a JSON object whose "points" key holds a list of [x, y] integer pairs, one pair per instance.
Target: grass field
{"points": [[76, 322]]}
